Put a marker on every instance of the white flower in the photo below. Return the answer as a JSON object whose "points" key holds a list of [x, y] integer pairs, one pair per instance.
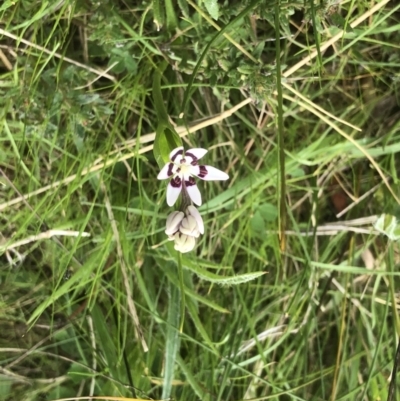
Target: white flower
{"points": [[181, 169], [184, 228]]}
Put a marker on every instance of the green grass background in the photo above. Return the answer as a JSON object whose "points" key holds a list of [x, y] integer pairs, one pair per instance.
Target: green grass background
{"points": [[290, 294]]}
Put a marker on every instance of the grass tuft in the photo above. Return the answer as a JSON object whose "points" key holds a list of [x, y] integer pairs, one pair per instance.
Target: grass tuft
{"points": [[291, 293]]}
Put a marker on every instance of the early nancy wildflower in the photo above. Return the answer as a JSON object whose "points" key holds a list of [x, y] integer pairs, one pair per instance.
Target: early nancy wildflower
{"points": [[185, 226], [181, 169]]}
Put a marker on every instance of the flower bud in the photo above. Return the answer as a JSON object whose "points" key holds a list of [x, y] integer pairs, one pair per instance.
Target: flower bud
{"points": [[184, 243], [173, 222], [192, 211], [189, 227]]}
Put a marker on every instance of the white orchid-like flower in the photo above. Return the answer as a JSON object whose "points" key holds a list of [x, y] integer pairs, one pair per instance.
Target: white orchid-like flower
{"points": [[184, 228], [181, 169]]}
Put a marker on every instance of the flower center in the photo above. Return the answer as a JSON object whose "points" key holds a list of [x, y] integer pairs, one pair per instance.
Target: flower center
{"points": [[185, 168]]}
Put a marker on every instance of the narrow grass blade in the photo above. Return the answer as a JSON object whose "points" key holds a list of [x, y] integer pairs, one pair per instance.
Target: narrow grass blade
{"points": [[167, 138], [172, 340], [281, 143]]}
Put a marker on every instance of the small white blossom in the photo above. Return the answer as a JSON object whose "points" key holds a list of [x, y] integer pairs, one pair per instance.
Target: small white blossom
{"points": [[181, 169]]}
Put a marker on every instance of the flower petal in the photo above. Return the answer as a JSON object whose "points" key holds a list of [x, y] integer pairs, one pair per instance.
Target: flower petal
{"points": [[193, 191], [173, 222], [189, 227], [192, 211], [192, 155], [173, 190], [166, 172], [184, 243], [177, 151], [209, 173]]}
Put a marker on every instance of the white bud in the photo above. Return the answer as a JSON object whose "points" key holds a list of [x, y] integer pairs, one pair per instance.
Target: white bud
{"points": [[184, 243], [173, 222], [189, 227], [192, 211]]}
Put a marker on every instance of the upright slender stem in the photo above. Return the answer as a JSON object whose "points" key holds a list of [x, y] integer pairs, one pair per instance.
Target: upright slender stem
{"points": [[281, 157], [182, 291]]}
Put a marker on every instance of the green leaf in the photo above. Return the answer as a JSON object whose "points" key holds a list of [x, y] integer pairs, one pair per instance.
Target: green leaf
{"points": [[172, 340], [191, 294], [106, 338], [212, 8], [257, 223], [172, 20], [167, 138], [204, 274], [7, 4], [258, 50], [230, 280], [268, 211], [166, 141], [183, 5], [158, 13], [5, 387], [340, 22], [388, 225], [223, 280]]}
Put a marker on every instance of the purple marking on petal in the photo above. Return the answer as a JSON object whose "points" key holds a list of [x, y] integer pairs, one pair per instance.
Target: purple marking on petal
{"points": [[170, 167], [174, 188], [202, 171], [190, 182], [210, 173], [193, 157], [176, 154], [176, 182], [165, 173], [196, 153]]}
